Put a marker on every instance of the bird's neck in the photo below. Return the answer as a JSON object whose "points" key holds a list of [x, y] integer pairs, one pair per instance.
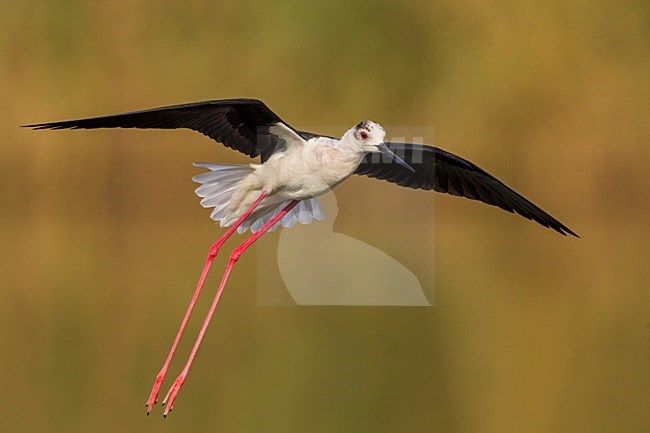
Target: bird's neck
{"points": [[335, 160], [349, 153]]}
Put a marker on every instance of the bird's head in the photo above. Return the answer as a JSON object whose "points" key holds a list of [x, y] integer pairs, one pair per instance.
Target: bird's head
{"points": [[368, 137]]}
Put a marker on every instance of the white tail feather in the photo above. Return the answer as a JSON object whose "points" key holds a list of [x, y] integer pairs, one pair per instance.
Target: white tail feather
{"points": [[219, 184], [304, 212]]}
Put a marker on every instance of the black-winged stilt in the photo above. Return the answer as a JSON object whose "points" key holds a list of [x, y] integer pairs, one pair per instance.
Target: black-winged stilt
{"points": [[296, 166]]}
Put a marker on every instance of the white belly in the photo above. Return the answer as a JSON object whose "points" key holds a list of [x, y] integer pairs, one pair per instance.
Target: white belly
{"points": [[306, 173], [298, 174]]}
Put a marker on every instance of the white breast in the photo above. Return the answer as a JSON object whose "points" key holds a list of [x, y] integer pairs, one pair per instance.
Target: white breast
{"points": [[310, 170]]}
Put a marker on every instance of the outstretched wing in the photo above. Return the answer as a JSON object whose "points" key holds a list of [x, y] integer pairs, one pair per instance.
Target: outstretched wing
{"points": [[245, 125], [445, 172]]}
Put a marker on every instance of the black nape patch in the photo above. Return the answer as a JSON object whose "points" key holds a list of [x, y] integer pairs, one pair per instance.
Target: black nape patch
{"points": [[363, 125]]}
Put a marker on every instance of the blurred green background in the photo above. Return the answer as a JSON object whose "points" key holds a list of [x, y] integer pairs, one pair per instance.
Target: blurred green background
{"points": [[102, 238]]}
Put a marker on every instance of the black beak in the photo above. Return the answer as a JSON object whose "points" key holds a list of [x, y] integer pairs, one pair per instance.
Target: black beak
{"points": [[384, 150]]}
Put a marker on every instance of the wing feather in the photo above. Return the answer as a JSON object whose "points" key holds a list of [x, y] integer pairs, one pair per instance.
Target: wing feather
{"points": [[445, 172], [240, 124]]}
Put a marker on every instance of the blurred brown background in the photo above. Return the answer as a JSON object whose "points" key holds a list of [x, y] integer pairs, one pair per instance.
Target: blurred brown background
{"points": [[102, 238]]}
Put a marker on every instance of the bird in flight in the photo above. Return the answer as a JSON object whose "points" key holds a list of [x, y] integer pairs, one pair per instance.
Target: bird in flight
{"points": [[296, 167]]}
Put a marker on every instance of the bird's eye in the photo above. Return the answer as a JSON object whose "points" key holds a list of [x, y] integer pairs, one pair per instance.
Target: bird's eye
{"points": [[364, 135]]}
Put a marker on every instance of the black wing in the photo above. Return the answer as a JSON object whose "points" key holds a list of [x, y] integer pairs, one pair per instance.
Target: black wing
{"points": [[241, 124], [445, 172]]}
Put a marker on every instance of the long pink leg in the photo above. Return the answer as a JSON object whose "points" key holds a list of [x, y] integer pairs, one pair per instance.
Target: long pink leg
{"points": [[214, 250], [234, 256]]}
